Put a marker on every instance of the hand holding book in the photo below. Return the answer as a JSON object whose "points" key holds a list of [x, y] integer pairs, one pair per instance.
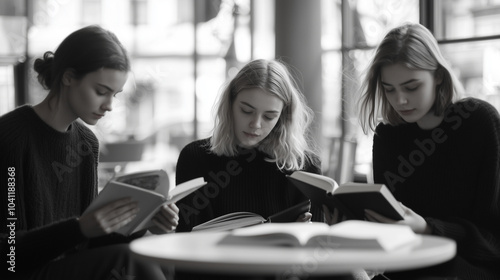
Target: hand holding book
{"points": [[410, 218], [150, 191], [166, 220], [108, 218]]}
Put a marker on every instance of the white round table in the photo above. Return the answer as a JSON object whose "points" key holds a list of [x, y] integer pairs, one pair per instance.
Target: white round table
{"points": [[200, 252]]}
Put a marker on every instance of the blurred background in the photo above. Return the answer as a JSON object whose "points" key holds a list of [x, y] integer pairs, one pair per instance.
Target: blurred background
{"points": [[183, 51]]}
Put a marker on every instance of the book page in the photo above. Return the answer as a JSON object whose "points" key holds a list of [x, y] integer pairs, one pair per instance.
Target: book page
{"points": [[154, 180], [351, 234], [319, 181], [184, 189], [230, 221], [296, 234], [383, 236]]}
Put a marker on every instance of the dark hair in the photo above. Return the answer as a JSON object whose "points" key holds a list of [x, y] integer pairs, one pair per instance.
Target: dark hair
{"points": [[83, 51]]}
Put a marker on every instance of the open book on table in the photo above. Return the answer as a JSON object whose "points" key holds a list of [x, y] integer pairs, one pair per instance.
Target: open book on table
{"points": [[243, 219], [351, 234], [151, 189], [350, 198]]}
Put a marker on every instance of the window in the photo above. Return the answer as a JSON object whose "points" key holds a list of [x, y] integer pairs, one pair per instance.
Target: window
{"points": [[351, 31], [470, 39], [91, 12], [182, 52], [13, 25], [7, 89]]}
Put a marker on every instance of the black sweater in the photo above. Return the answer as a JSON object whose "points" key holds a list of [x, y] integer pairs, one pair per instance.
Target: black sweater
{"points": [[246, 182], [53, 179], [450, 175]]}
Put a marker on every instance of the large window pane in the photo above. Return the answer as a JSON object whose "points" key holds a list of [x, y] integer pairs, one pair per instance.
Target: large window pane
{"points": [[467, 18], [332, 99], [331, 31], [211, 77], [363, 25], [370, 19], [477, 65], [6, 89]]}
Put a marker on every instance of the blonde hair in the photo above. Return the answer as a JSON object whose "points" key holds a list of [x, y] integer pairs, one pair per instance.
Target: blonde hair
{"points": [[414, 46], [288, 144]]}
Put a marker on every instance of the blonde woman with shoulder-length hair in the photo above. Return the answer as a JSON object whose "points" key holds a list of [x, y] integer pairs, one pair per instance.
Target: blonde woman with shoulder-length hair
{"points": [[287, 144], [260, 136]]}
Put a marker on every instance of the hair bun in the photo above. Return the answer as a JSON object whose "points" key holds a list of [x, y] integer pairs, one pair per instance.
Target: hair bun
{"points": [[43, 66]]}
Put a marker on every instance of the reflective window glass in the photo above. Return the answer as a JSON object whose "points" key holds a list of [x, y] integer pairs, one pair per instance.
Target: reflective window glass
{"points": [[467, 18], [477, 65]]}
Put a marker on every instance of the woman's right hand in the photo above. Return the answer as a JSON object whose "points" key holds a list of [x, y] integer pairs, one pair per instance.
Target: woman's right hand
{"points": [[108, 218]]}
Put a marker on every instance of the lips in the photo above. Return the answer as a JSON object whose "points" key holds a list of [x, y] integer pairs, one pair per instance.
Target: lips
{"points": [[98, 115], [406, 112], [252, 135]]}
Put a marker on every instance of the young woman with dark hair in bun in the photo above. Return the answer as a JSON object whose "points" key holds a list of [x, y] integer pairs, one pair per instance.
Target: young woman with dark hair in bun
{"points": [[49, 170]]}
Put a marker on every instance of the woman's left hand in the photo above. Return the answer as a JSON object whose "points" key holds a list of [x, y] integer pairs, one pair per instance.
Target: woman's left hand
{"points": [[416, 222], [167, 218]]}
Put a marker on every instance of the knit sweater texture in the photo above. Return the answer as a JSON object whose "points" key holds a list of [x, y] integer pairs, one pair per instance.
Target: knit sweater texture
{"points": [[53, 178], [246, 182], [450, 175]]}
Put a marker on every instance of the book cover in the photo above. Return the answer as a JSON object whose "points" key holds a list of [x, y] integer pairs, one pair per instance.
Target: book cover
{"points": [[349, 198]]}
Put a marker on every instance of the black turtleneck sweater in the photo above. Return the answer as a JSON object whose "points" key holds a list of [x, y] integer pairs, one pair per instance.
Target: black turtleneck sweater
{"points": [[53, 178], [450, 175], [246, 182]]}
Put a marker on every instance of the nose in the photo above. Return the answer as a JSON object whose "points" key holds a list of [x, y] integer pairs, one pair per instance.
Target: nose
{"points": [[108, 104], [401, 98], [256, 122]]}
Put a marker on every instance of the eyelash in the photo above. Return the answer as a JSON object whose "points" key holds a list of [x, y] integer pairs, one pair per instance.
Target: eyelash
{"points": [[408, 89], [250, 112], [104, 93]]}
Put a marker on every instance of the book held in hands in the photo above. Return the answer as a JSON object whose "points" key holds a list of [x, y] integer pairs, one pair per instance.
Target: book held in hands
{"points": [[151, 189], [236, 220], [351, 234], [351, 199]]}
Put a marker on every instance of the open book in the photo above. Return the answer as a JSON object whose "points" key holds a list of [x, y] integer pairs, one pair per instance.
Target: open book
{"points": [[151, 189], [243, 219], [350, 198], [351, 234]]}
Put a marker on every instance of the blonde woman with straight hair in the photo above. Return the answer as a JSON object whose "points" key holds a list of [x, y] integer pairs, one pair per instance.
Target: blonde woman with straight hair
{"points": [[261, 134], [437, 153]]}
